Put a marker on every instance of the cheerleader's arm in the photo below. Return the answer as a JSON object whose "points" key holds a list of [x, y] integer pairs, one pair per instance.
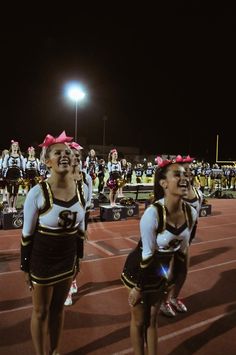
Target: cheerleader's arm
{"points": [[32, 204], [148, 229]]}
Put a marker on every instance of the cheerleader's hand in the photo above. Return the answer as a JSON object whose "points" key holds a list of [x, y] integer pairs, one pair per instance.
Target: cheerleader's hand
{"points": [[134, 297]]}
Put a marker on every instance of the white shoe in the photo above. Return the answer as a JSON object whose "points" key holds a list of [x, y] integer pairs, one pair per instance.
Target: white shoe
{"points": [[68, 301], [167, 309], [178, 305], [74, 288]]}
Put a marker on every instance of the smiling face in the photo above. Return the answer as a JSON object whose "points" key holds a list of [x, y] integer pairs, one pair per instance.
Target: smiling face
{"points": [[189, 172], [176, 182], [76, 158], [58, 158]]}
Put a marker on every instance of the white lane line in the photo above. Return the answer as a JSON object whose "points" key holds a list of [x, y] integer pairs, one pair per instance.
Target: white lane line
{"points": [[97, 246], [93, 243], [182, 331], [123, 287]]}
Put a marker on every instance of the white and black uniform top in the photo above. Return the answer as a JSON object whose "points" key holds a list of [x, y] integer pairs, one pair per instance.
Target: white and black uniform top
{"points": [[170, 240], [13, 167], [52, 233], [31, 164], [88, 189], [114, 167], [147, 266], [196, 201]]}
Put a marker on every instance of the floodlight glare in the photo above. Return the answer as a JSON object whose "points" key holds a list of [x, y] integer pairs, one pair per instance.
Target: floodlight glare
{"points": [[76, 94]]}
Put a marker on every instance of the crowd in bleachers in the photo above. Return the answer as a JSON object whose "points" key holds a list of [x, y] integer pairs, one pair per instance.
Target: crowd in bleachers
{"points": [[19, 172]]}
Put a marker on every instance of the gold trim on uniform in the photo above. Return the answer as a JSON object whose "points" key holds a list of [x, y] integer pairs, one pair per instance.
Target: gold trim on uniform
{"points": [[56, 233], [145, 263]]}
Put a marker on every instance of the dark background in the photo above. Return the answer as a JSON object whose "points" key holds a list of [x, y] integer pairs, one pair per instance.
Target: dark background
{"points": [[165, 78]]}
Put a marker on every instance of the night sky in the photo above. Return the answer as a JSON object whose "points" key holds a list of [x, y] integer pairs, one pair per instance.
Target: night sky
{"points": [[163, 78]]}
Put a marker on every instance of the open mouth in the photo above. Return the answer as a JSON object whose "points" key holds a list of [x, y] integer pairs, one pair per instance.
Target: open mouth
{"points": [[64, 162]]}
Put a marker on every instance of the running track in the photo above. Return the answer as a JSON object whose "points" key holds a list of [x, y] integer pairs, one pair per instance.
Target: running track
{"points": [[98, 321]]}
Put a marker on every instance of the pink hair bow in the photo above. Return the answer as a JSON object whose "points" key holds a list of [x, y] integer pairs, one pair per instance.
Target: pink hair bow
{"points": [[75, 145], [188, 159], [30, 148], [12, 141], [178, 159], [161, 163], [113, 151], [49, 140]]}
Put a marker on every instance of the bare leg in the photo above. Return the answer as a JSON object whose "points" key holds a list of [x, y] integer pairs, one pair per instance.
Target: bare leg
{"points": [[180, 271], [112, 197], [39, 320], [152, 331], [56, 316], [137, 329]]}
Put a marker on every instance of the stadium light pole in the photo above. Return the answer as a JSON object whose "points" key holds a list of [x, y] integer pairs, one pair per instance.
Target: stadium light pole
{"points": [[76, 94]]}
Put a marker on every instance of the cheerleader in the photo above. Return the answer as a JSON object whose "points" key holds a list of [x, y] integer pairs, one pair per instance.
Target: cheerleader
{"points": [[3, 190], [13, 172], [114, 180], [172, 302], [129, 173], [87, 186], [32, 169], [51, 242], [90, 164], [101, 171], [166, 228], [124, 168]]}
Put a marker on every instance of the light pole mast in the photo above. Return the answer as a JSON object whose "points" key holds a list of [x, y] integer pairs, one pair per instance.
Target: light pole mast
{"points": [[76, 122]]}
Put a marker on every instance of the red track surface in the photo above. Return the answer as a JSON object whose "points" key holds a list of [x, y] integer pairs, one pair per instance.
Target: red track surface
{"points": [[98, 321]]}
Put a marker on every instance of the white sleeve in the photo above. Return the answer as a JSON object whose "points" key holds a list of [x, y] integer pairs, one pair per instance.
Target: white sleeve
{"points": [[90, 189], [148, 229], [109, 166], [119, 165], [33, 203], [5, 160]]}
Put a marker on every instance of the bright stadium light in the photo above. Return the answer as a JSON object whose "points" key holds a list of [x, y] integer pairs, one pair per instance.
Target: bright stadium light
{"points": [[76, 94]]}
